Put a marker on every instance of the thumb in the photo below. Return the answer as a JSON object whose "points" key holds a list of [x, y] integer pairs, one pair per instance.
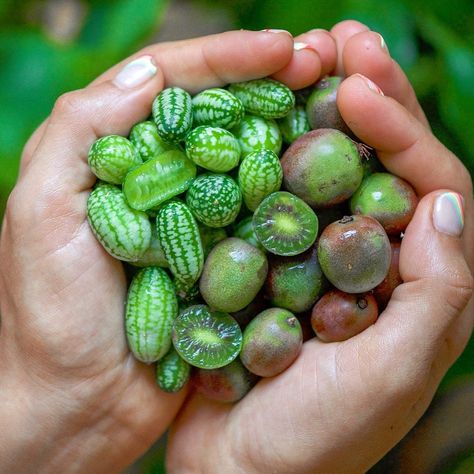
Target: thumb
{"points": [[436, 290], [80, 117]]}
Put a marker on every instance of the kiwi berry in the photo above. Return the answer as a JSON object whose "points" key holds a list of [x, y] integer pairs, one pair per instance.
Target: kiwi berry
{"points": [[284, 224], [206, 339]]}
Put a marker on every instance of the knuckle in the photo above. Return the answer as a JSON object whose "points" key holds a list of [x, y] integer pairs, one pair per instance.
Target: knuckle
{"points": [[459, 290], [68, 104]]}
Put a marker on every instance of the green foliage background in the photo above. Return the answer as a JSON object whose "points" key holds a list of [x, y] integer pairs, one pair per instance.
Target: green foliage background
{"points": [[433, 41]]}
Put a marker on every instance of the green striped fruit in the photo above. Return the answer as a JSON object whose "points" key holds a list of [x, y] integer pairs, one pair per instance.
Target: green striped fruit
{"points": [[154, 255], [213, 148], [217, 108], [294, 124], [260, 174], [255, 133], [173, 115], [172, 372], [111, 157], [210, 237], [179, 236], [144, 136], [150, 311], [244, 230], [214, 199], [158, 180], [264, 97], [124, 232]]}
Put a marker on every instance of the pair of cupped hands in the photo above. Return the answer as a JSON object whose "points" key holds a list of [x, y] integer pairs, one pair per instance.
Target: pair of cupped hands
{"points": [[73, 398]]}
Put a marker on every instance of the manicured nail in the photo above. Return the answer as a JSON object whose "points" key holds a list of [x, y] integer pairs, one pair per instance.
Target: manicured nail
{"points": [[370, 84], [383, 44], [136, 73], [274, 30], [448, 213], [298, 46]]}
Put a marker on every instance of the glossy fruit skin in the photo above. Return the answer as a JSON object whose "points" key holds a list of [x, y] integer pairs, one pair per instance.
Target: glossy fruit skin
{"points": [[227, 384], [213, 148], [271, 343], [337, 316], [214, 199], [322, 167], [218, 108], [111, 157], [210, 237], [179, 237], [172, 112], [387, 198], [150, 311], [256, 133], [321, 107], [172, 372], [145, 138], [154, 255], [123, 232], [233, 274], [260, 174], [273, 208], [265, 97], [384, 290], [294, 124], [192, 322], [354, 253], [244, 230], [294, 283], [158, 179]]}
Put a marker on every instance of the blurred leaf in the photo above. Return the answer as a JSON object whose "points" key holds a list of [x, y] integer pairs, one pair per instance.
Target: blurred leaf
{"points": [[120, 25]]}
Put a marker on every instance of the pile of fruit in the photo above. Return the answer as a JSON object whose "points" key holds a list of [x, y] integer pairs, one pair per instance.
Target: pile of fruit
{"points": [[255, 215]]}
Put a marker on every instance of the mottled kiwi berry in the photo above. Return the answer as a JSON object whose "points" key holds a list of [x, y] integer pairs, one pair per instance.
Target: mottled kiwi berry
{"points": [[337, 316], [354, 253], [225, 384], [387, 198], [271, 342], [233, 274], [321, 107], [323, 167]]}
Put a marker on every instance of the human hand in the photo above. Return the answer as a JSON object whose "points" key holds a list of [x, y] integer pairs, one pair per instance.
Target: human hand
{"points": [[72, 397], [341, 406]]}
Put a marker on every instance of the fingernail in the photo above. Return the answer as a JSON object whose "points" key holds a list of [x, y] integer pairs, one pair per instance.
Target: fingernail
{"points": [[370, 84], [298, 46], [448, 214], [136, 73], [274, 30], [383, 44]]}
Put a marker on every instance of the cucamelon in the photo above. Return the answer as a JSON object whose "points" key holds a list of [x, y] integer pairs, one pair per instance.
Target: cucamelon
{"points": [[213, 148], [260, 174], [172, 372], [111, 157], [151, 309], [264, 97], [217, 108], [294, 124], [172, 112], [124, 232], [144, 136], [158, 179], [179, 237]]}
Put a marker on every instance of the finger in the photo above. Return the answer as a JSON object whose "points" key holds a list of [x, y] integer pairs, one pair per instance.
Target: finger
{"points": [[434, 294], [341, 32], [306, 67], [403, 144], [210, 61], [366, 53]]}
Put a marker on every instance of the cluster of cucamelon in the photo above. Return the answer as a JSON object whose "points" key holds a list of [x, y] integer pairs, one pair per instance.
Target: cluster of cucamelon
{"points": [[254, 215]]}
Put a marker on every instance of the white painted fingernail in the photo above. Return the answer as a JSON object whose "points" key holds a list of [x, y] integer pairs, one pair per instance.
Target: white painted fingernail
{"points": [[448, 213], [383, 44], [370, 84], [275, 30], [298, 46], [136, 73]]}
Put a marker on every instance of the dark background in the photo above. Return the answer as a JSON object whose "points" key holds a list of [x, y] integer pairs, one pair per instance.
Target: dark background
{"points": [[51, 46]]}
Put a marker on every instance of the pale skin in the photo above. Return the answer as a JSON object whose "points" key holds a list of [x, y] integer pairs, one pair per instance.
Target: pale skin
{"points": [[72, 397]]}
